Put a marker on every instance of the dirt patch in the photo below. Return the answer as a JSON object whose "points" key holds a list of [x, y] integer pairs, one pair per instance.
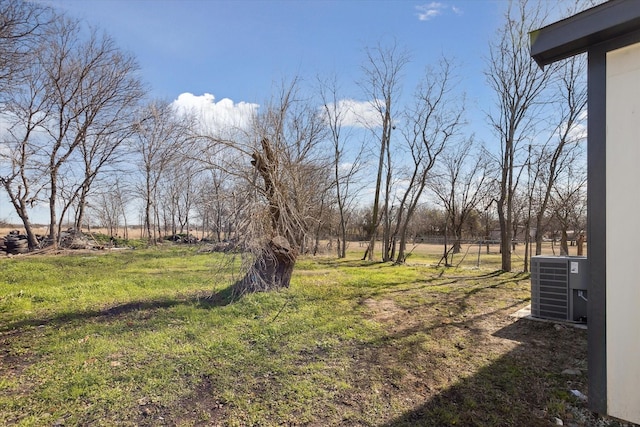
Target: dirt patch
{"points": [[205, 409], [461, 358], [384, 310]]}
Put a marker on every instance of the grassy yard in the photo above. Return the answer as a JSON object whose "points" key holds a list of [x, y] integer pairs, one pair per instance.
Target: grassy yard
{"points": [[150, 337]]}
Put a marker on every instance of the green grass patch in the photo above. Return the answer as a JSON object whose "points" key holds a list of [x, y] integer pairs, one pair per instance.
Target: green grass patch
{"points": [[132, 338]]}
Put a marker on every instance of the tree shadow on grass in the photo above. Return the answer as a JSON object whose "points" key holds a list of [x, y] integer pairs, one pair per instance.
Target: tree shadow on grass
{"points": [[523, 387], [220, 298]]}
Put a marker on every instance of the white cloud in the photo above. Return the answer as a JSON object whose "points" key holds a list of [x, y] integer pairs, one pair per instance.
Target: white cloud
{"points": [[579, 130], [361, 114], [224, 118], [219, 118], [345, 166], [429, 11]]}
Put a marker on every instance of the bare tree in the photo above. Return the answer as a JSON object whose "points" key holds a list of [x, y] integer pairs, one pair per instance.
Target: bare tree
{"points": [[101, 147], [461, 186], [21, 178], [77, 90], [21, 29], [108, 206], [288, 161], [22, 26], [159, 135], [431, 125], [346, 163], [88, 84], [213, 204], [568, 200], [381, 84], [286, 165], [320, 210], [517, 83], [557, 153]]}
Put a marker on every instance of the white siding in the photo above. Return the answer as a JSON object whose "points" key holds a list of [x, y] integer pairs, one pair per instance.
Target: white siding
{"points": [[623, 233]]}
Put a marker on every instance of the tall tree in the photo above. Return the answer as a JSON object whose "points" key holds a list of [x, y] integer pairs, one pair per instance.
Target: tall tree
{"points": [[517, 83], [22, 28], [24, 177], [101, 148], [431, 125], [381, 83], [159, 136], [347, 163], [89, 84]]}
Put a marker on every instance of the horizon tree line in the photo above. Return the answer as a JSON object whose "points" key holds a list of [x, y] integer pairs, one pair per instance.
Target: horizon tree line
{"points": [[83, 139]]}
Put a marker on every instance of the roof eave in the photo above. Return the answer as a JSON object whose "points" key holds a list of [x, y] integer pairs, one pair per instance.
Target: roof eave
{"points": [[576, 34]]}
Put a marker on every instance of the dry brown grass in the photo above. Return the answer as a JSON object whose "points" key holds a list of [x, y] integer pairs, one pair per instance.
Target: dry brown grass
{"points": [[547, 249], [471, 250]]}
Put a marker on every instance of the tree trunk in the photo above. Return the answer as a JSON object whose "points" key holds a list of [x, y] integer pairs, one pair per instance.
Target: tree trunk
{"points": [[538, 237], [393, 243], [31, 237], [505, 238], [487, 232], [147, 221], [21, 209], [445, 255], [402, 247], [564, 247], [527, 243], [53, 222], [376, 207], [342, 248], [271, 270], [580, 244], [457, 245], [82, 202]]}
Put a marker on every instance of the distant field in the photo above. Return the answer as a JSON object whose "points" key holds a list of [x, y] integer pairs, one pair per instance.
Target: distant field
{"points": [[470, 255]]}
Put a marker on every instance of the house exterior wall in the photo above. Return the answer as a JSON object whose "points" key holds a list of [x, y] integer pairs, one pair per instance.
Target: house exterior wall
{"points": [[623, 232]]}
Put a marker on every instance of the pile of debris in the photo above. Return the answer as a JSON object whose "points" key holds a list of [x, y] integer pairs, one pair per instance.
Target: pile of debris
{"points": [[75, 239], [16, 243], [182, 238]]}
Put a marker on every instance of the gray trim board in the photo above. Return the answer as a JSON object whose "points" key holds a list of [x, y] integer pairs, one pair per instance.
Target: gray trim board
{"points": [[578, 33], [596, 231]]}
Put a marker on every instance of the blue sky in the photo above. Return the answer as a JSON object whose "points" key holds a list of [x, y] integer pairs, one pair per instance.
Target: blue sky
{"points": [[231, 53], [238, 49]]}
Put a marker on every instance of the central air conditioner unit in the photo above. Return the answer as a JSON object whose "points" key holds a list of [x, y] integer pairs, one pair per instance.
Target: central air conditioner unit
{"points": [[559, 288]]}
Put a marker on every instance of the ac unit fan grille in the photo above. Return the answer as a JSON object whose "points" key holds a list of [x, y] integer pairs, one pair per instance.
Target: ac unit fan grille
{"points": [[551, 297]]}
